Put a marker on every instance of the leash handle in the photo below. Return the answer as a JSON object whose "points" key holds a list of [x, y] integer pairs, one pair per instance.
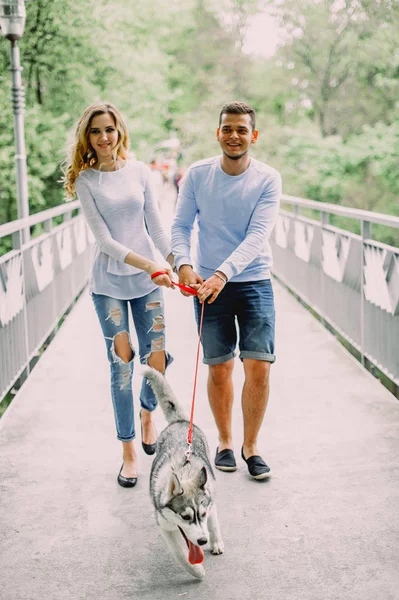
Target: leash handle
{"points": [[179, 285]]}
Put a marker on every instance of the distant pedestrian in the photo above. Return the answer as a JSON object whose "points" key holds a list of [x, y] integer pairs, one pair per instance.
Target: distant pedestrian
{"points": [[157, 180]]}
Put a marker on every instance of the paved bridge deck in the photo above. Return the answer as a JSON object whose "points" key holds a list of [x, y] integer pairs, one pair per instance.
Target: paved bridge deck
{"points": [[324, 527]]}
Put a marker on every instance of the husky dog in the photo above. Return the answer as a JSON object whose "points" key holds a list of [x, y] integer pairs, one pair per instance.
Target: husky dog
{"points": [[181, 488]]}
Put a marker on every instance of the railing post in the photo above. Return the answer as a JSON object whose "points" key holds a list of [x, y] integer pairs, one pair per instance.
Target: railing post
{"points": [[324, 220], [48, 227], [366, 227], [18, 239]]}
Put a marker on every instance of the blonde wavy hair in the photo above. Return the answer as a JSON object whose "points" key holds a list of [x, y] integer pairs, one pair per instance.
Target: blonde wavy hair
{"points": [[81, 155]]}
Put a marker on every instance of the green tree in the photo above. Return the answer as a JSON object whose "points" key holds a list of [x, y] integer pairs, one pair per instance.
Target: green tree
{"points": [[326, 104], [342, 56]]}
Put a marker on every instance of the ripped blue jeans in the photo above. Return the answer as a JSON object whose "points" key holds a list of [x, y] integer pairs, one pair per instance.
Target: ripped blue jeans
{"points": [[149, 323]]}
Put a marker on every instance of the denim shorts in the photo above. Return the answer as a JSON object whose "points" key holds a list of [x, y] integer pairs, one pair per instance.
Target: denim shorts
{"points": [[243, 312], [149, 323]]}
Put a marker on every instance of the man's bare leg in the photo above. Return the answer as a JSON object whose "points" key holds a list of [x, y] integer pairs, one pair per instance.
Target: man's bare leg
{"points": [[221, 395], [255, 395]]}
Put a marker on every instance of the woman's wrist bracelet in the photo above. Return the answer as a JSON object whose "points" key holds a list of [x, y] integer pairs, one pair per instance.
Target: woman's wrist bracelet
{"points": [[221, 278]]}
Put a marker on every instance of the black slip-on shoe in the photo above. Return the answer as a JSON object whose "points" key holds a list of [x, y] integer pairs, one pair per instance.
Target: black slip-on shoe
{"points": [[257, 467], [225, 460], [148, 448], [126, 482]]}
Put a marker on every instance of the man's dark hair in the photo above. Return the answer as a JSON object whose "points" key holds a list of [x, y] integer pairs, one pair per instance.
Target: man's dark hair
{"points": [[238, 108]]}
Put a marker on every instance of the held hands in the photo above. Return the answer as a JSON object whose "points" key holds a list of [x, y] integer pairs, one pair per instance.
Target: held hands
{"points": [[211, 288], [189, 278]]}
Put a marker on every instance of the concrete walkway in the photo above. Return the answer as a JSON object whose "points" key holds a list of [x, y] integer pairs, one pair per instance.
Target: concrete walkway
{"points": [[324, 527]]}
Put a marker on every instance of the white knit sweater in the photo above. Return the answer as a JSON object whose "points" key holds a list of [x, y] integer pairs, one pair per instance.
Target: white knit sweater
{"points": [[122, 211]]}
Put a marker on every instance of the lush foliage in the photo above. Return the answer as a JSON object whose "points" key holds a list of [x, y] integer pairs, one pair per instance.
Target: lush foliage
{"points": [[327, 103]]}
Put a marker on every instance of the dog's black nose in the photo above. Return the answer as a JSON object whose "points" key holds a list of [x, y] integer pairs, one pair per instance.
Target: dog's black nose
{"points": [[202, 541]]}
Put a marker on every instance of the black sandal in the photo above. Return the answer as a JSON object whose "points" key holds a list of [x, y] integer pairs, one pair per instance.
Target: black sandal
{"points": [[225, 460], [148, 448], [257, 467], [126, 482]]}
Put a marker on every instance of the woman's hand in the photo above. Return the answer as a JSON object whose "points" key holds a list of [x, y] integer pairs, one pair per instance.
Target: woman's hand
{"points": [[163, 280]]}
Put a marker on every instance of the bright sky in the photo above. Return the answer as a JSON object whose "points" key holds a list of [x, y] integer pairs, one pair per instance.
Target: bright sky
{"points": [[263, 36]]}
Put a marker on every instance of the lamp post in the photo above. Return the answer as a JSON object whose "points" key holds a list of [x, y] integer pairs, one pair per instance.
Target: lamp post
{"points": [[12, 22]]}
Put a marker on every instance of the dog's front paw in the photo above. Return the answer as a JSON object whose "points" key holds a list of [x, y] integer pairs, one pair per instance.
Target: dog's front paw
{"points": [[197, 571], [217, 546]]}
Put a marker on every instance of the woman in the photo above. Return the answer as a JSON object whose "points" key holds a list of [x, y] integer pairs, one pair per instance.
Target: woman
{"points": [[121, 209]]}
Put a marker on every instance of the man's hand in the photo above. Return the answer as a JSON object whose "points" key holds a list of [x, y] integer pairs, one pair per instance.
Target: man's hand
{"points": [[189, 277], [210, 289]]}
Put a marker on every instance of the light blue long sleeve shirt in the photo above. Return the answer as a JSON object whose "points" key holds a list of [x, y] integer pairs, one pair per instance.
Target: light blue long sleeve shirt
{"points": [[235, 216], [122, 211]]}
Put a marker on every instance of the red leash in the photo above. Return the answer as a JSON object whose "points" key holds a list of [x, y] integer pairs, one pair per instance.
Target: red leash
{"points": [[190, 429], [194, 292], [179, 285]]}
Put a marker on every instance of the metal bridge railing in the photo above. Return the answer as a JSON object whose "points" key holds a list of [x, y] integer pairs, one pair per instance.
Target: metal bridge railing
{"points": [[39, 280], [351, 281]]}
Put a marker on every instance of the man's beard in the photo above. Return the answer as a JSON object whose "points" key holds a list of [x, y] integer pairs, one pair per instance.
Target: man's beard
{"points": [[235, 157]]}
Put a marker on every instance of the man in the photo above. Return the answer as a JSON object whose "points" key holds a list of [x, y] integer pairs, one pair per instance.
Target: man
{"points": [[235, 199]]}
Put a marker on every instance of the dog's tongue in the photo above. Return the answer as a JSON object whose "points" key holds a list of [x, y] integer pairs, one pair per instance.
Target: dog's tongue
{"points": [[195, 554]]}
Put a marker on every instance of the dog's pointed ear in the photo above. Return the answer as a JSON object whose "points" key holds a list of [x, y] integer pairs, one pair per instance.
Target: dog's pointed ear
{"points": [[202, 477], [175, 488]]}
